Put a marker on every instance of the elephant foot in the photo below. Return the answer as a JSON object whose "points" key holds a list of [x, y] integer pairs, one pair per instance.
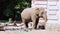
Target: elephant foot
{"points": [[41, 27]]}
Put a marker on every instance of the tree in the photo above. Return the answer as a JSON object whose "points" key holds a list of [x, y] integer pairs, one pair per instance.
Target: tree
{"points": [[7, 8], [22, 4], [13, 8]]}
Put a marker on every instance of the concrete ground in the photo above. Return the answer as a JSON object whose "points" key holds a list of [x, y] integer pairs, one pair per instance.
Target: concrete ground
{"points": [[30, 32]]}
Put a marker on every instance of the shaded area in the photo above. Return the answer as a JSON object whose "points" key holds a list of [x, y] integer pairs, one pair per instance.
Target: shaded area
{"points": [[12, 8]]}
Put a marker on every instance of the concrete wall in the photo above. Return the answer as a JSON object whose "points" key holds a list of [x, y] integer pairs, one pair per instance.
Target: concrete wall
{"points": [[51, 6], [53, 10]]}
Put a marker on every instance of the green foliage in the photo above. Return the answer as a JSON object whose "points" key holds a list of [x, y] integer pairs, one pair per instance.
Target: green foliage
{"points": [[22, 4], [10, 8], [7, 7], [8, 12]]}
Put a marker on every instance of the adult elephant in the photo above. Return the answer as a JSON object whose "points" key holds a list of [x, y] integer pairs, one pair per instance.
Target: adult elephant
{"points": [[33, 14]]}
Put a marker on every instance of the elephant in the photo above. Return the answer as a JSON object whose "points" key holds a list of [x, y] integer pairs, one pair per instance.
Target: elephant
{"points": [[33, 15]]}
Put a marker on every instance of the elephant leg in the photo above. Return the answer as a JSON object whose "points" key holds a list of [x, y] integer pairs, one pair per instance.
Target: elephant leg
{"points": [[26, 24], [35, 22]]}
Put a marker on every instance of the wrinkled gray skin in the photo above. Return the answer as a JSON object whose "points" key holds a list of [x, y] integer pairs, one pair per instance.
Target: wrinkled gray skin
{"points": [[33, 14]]}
